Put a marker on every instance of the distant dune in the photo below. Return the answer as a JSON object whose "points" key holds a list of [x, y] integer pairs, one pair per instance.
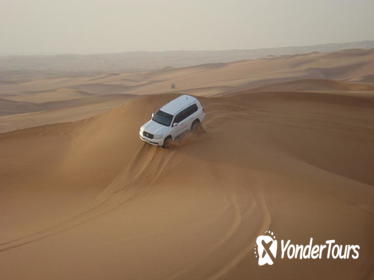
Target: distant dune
{"points": [[27, 102], [317, 85], [71, 64], [89, 200]]}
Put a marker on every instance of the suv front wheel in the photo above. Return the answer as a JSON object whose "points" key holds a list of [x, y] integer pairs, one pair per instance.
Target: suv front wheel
{"points": [[167, 142]]}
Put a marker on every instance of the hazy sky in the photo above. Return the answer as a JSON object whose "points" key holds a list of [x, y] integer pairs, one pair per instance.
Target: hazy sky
{"points": [[97, 26]]}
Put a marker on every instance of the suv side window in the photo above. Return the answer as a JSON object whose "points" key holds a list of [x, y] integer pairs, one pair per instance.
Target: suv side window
{"points": [[190, 110], [180, 117], [185, 113], [193, 108]]}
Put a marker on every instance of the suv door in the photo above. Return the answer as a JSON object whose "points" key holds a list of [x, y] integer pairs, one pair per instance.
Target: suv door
{"points": [[179, 119], [184, 119], [190, 115]]}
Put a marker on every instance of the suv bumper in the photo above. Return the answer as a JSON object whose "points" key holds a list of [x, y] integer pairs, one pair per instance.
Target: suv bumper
{"points": [[156, 142]]}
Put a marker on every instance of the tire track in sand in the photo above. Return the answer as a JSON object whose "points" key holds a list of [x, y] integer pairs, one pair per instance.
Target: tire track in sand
{"points": [[124, 188]]}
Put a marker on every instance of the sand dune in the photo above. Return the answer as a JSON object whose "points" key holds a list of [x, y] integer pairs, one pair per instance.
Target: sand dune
{"points": [[60, 94], [317, 85], [287, 146], [88, 200], [346, 65], [56, 112], [72, 64], [23, 100]]}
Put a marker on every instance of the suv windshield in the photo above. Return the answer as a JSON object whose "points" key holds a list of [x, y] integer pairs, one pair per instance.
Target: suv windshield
{"points": [[162, 118]]}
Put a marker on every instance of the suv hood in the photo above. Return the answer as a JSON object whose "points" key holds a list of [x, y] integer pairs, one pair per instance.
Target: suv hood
{"points": [[155, 128]]}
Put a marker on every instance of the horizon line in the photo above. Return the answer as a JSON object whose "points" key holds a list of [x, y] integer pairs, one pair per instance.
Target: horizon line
{"points": [[185, 50]]}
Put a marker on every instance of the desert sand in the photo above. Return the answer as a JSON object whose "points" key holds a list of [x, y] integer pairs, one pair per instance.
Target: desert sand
{"points": [[64, 97], [87, 199], [28, 100]]}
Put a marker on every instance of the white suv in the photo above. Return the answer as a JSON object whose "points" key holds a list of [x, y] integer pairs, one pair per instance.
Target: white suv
{"points": [[171, 120]]}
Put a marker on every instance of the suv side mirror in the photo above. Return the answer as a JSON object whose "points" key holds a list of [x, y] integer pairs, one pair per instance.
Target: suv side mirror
{"points": [[175, 124], [153, 114]]}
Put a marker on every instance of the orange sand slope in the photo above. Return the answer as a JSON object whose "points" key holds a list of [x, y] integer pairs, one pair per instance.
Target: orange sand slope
{"points": [[88, 200]]}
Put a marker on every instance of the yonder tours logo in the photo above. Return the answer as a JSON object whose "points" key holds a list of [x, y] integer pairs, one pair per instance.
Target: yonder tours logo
{"points": [[266, 250]]}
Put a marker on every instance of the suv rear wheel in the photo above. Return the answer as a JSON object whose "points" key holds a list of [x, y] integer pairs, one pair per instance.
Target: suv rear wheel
{"points": [[195, 125]]}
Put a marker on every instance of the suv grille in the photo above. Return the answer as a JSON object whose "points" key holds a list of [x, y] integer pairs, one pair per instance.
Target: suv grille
{"points": [[147, 134]]}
